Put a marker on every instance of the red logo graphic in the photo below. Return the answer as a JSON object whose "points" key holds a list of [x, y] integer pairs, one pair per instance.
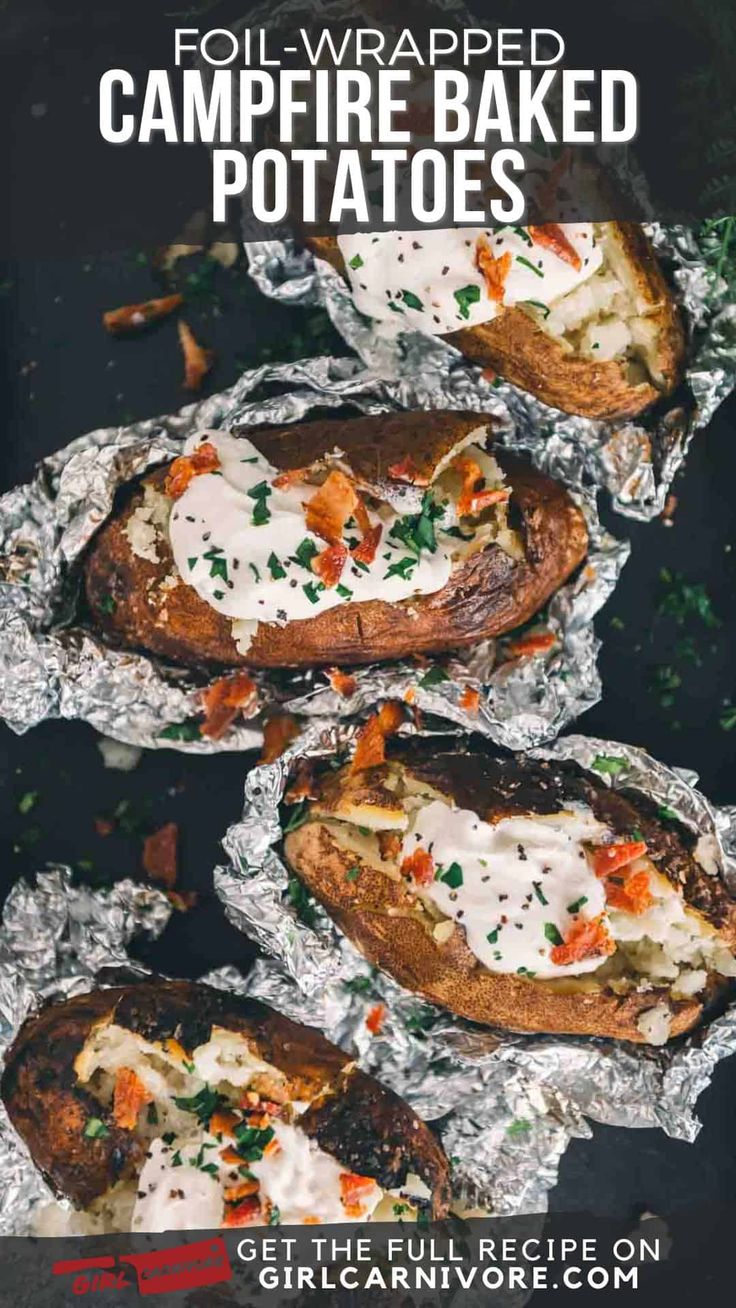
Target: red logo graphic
{"points": [[185, 1267]]}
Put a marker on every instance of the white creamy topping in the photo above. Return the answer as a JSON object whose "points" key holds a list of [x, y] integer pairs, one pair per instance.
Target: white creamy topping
{"points": [[516, 886], [429, 280], [239, 550], [226, 1057], [172, 1198], [303, 1181]]}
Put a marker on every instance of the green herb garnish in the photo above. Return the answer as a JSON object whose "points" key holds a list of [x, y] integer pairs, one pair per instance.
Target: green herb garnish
{"points": [[403, 568], [107, 604], [608, 763], [352, 874], [275, 567], [520, 1126], [466, 296], [540, 893], [412, 300], [311, 590], [261, 513], [203, 1104], [95, 1129], [577, 905], [433, 677], [451, 876], [520, 258], [552, 934], [537, 304], [189, 729], [152, 1115], [305, 552], [355, 262]]}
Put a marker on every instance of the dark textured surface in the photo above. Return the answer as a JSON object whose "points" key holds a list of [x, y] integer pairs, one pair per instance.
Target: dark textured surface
{"points": [[61, 375]]}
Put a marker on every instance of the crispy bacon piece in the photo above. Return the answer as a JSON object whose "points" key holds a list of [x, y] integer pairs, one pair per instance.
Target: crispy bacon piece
{"points": [[272, 1148], [354, 1190], [290, 478], [474, 496], [278, 732], [537, 642], [184, 469], [231, 1157], [495, 271], [419, 865], [104, 826], [129, 1097], [133, 317], [243, 1190], [223, 700], [609, 858], [197, 360], [389, 844], [312, 1221], [329, 563], [406, 470], [245, 1213], [302, 787], [182, 900], [470, 700], [376, 1018], [175, 1050], [552, 237], [331, 506], [370, 749], [159, 854], [223, 1122], [587, 938], [633, 895], [342, 682], [366, 551]]}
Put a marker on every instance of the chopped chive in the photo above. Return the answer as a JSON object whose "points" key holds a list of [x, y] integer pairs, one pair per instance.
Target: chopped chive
{"points": [[520, 258]]}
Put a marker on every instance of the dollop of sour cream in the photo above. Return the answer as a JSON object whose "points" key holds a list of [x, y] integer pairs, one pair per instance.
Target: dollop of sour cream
{"points": [[242, 543], [304, 1182], [515, 886], [429, 280]]}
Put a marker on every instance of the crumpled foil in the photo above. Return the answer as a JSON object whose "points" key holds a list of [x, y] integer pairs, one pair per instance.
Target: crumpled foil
{"points": [[635, 460], [54, 938], [53, 665], [563, 1082]]}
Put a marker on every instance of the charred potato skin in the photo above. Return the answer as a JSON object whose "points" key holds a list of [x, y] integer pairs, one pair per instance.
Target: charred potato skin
{"points": [[522, 352], [351, 1112], [487, 595], [371, 909]]}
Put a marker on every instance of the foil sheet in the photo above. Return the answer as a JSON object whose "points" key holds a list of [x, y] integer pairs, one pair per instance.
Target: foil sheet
{"points": [[635, 461], [57, 940], [54, 665], [564, 1082], [54, 939]]}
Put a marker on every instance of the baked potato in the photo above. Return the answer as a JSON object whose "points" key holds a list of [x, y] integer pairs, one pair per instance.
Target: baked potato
{"points": [[332, 542], [167, 1105], [523, 894], [578, 314]]}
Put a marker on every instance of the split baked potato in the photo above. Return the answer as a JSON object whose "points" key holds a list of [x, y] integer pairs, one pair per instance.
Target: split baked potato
{"points": [[167, 1105], [332, 542], [523, 894], [578, 314]]}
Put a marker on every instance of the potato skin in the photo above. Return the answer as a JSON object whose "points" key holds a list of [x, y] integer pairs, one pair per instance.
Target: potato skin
{"points": [[449, 974], [522, 352], [486, 596], [376, 1131]]}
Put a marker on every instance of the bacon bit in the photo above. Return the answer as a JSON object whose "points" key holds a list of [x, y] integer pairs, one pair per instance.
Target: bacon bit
{"points": [[278, 732], [329, 563], [132, 317], [389, 844], [183, 470], [159, 854], [182, 900], [129, 1097], [586, 939], [552, 237], [104, 826], [341, 682], [410, 695], [175, 1050], [370, 748], [472, 500], [609, 858], [289, 478], [246, 1213], [223, 1122], [407, 470], [375, 1020], [302, 787], [331, 506], [366, 551], [272, 1148], [197, 361], [223, 700], [243, 1190], [634, 896], [362, 518], [311, 1221], [668, 511], [470, 700], [231, 1157], [354, 1188], [489, 374], [419, 865], [537, 642], [494, 270]]}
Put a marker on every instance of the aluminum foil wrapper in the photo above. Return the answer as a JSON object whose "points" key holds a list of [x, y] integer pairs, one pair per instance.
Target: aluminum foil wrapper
{"points": [[54, 939], [531, 1094], [54, 665], [634, 460]]}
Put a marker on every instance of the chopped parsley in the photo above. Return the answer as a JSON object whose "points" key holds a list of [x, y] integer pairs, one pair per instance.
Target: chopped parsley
{"points": [[520, 258], [217, 562], [189, 729], [261, 513], [107, 604], [552, 934], [399, 1209], [344, 592], [577, 905], [301, 901], [355, 262], [311, 590], [524, 971], [466, 296], [520, 1126], [255, 571], [537, 304], [403, 567], [203, 1104], [685, 599], [28, 801], [95, 1129], [275, 567], [192, 562], [152, 1115], [274, 1217], [358, 985], [412, 300], [452, 876], [668, 814], [608, 763], [352, 874], [433, 677], [492, 936], [297, 816], [252, 1140], [727, 719], [416, 530], [305, 552], [540, 893]]}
